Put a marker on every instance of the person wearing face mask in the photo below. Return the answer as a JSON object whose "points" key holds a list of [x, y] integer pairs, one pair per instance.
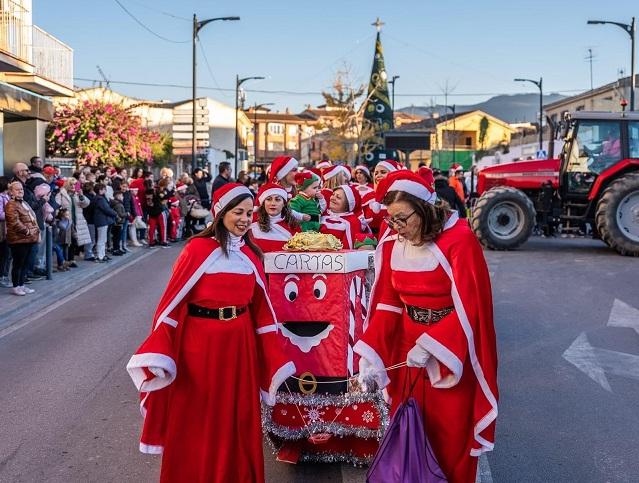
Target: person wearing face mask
{"points": [[275, 223], [342, 218], [213, 350], [431, 306]]}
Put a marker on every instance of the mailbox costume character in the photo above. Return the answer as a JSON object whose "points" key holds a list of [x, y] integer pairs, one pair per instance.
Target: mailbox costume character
{"points": [[374, 211], [432, 307], [341, 219], [212, 351], [275, 224]]}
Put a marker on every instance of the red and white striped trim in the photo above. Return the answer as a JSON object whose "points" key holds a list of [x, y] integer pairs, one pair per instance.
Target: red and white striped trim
{"points": [[290, 165], [281, 192], [416, 189], [228, 197]]}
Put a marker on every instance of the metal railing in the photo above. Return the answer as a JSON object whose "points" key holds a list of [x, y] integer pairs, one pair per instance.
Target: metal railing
{"points": [[53, 59], [15, 31]]}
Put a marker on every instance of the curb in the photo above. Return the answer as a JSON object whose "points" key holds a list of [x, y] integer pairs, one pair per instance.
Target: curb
{"points": [[50, 294]]}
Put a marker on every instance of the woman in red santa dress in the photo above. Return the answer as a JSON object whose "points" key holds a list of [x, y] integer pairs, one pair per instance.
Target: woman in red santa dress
{"points": [[212, 351], [431, 306], [372, 207], [341, 218], [275, 224]]}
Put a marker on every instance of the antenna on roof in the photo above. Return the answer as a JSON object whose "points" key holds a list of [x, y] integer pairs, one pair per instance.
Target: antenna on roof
{"points": [[106, 80]]}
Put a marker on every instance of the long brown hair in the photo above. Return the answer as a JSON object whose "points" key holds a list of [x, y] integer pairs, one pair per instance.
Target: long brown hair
{"points": [[218, 231], [433, 217], [264, 222]]}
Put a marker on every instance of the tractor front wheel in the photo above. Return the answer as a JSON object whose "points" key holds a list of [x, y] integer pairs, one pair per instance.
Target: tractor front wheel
{"points": [[617, 215], [503, 218]]}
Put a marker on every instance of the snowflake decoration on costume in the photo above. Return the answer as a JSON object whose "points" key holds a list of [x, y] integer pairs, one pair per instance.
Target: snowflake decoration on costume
{"points": [[368, 416], [314, 414]]}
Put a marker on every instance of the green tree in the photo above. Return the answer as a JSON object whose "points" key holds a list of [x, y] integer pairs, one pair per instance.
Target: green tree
{"points": [[483, 131]]}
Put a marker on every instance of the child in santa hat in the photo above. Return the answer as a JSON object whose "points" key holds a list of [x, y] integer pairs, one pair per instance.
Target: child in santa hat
{"points": [[275, 223], [342, 219], [283, 169], [309, 200]]}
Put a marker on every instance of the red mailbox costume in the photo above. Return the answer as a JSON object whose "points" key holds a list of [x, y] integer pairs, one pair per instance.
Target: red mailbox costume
{"points": [[280, 232], [459, 396], [204, 415]]}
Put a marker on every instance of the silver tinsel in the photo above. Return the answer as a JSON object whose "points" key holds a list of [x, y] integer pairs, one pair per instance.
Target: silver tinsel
{"points": [[331, 427], [336, 458]]}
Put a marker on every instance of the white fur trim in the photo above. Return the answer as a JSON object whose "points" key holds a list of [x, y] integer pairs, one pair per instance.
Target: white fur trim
{"points": [[414, 188], [281, 375], [363, 168], [390, 308], [287, 168], [266, 329], [367, 352], [491, 415], [231, 195], [389, 167], [277, 233], [151, 449], [338, 169], [442, 354], [281, 192], [170, 321], [305, 344], [406, 257], [350, 197], [138, 362]]}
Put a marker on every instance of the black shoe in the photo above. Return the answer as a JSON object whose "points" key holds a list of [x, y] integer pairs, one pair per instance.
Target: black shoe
{"points": [[164, 245], [36, 276], [40, 272], [100, 260], [117, 253], [107, 258], [90, 259], [73, 265]]}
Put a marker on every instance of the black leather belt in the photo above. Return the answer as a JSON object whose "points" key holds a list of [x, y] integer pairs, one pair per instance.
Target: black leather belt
{"points": [[223, 313], [427, 316]]}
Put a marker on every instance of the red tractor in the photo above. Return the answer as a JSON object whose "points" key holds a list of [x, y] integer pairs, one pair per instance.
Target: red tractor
{"points": [[593, 188]]}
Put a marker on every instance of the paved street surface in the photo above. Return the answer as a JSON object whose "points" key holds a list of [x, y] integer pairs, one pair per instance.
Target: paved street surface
{"points": [[567, 314]]}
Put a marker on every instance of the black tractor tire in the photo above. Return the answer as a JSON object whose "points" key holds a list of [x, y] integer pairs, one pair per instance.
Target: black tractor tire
{"points": [[618, 225], [503, 218]]}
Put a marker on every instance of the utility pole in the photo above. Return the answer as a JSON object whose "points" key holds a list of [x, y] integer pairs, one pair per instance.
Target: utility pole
{"points": [[589, 58], [238, 83], [631, 30], [197, 26], [539, 84], [392, 83]]}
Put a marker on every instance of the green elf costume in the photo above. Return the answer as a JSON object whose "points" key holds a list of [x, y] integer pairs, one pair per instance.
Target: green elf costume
{"points": [[304, 204]]}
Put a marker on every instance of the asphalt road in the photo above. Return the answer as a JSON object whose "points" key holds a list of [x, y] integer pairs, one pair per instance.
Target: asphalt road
{"points": [[68, 410]]}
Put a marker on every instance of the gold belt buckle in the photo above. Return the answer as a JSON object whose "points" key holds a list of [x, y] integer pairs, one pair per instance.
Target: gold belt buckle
{"points": [[221, 310]]}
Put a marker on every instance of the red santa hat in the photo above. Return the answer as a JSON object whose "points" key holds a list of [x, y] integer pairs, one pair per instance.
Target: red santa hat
{"points": [[281, 166], [271, 189], [408, 182], [427, 175], [59, 182], [353, 197], [305, 178], [335, 170], [324, 164], [390, 165], [361, 167], [227, 193], [457, 167], [181, 187]]}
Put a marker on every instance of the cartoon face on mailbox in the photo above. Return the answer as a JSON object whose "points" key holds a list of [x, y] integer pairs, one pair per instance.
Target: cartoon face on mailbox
{"points": [[321, 316]]}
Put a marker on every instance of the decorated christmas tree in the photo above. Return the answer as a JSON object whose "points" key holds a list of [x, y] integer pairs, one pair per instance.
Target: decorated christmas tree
{"points": [[378, 113]]}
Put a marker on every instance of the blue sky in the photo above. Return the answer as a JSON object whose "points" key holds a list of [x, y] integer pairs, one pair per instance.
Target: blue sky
{"points": [[477, 47]]}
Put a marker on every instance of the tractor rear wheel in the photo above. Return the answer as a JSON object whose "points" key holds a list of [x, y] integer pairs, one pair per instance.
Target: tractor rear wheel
{"points": [[503, 218], [617, 215]]}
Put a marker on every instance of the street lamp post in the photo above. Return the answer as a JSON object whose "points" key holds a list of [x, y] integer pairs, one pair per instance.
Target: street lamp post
{"points": [[255, 133], [392, 83], [197, 26], [238, 83], [630, 29], [452, 108], [539, 84]]}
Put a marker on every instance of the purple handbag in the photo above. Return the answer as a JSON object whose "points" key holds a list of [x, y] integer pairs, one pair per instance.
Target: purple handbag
{"points": [[405, 454]]}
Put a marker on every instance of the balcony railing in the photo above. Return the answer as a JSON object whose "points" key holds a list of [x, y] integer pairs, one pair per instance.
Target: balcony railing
{"points": [[53, 59], [15, 31]]}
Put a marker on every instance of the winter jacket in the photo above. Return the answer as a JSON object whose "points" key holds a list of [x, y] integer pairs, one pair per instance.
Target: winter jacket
{"points": [[128, 203], [90, 209], [4, 199], [447, 193], [62, 231], [200, 185], [79, 203], [29, 197], [217, 183], [22, 226], [103, 214], [118, 207]]}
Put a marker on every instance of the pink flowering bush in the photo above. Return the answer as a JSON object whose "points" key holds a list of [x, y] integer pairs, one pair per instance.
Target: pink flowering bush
{"points": [[95, 132]]}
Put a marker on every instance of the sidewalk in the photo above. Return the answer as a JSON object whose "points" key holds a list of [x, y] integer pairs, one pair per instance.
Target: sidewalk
{"points": [[14, 309]]}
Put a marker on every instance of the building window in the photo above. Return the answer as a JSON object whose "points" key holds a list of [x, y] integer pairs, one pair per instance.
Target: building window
{"points": [[276, 128], [292, 130], [469, 141], [292, 145], [269, 146], [580, 108]]}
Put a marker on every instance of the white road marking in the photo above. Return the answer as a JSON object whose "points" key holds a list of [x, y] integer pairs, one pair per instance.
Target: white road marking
{"points": [[483, 471], [624, 315], [11, 329]]}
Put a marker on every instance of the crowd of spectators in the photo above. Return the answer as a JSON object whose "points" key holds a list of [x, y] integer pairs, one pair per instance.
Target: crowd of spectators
{"points": [[93, 215]]}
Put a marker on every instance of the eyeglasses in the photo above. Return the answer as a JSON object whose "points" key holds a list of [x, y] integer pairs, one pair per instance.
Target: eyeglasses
{"points": [[397, 222]]}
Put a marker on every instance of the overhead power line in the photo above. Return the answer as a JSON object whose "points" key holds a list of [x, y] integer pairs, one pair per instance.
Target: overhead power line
{"points": [[312, 93], [161, 12], [141, 24]]}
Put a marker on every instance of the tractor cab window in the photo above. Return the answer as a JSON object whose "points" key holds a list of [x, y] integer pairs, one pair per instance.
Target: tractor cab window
{"points": [[633, 138], [596, 147]]}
